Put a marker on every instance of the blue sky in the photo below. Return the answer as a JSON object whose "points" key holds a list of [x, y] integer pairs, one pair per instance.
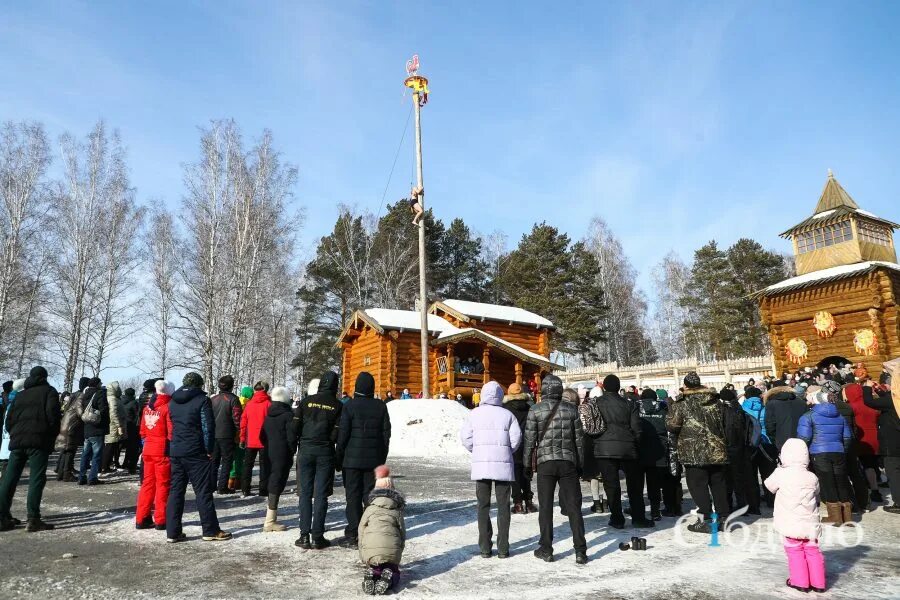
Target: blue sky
{"points": [[676, 122]]}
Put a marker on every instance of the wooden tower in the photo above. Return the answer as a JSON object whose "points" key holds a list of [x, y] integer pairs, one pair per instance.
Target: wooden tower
{"points": [[843, 303]]}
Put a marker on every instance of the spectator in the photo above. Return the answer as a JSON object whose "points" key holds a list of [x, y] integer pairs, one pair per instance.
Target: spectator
{"points": [[33, 422], [193, 430], [364, 437], [227, 412], [553, 444]]}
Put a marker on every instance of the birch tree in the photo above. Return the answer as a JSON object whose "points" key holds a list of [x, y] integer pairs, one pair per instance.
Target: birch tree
{"points": [[93, 178], [24, 159]]}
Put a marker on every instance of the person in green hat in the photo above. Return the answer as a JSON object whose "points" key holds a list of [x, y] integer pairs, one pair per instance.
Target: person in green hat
{"points": [[237, 465]]}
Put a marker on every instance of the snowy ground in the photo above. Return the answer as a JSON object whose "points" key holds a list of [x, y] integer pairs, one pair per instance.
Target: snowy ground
{"points": [[113, 560]]}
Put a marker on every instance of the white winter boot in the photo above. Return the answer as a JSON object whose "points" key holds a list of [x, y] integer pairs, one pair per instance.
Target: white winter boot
{"points": [[272, 525]]}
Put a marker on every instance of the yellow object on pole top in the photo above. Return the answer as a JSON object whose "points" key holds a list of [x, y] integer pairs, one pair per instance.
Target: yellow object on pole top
{"points": [[414, 81]]}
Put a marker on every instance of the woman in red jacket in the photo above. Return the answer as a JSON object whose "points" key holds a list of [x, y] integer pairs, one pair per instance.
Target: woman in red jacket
{"points": [[156, 433], [252, 420], [866, 436]]}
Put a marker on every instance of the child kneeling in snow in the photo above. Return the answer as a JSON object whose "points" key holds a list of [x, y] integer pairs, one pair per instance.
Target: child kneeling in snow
{"points": [[382, 535], [796, 491]]}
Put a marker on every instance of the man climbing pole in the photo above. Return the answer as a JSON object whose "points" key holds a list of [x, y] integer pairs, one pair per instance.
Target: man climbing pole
{"points": [[415, 205]]}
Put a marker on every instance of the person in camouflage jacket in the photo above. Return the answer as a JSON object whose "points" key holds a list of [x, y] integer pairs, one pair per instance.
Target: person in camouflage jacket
{"points": [[697, 418]]}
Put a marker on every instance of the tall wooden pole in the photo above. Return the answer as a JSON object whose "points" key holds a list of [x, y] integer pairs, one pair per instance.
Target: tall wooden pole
{"points": [[423, 291]]}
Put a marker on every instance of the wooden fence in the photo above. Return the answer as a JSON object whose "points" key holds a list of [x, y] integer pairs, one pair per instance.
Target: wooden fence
{"points": [[669, 375]]}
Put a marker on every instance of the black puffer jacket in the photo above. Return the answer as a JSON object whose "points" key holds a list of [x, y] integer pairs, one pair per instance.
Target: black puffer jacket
{"points": [[888, 421], [316, 419], [783, 412], [130, 409], [365, 430], [278, 434], [519, 405], [227, 413], [34, 418], [623, 428], [563, 437], [653, 450], [98, 395]]}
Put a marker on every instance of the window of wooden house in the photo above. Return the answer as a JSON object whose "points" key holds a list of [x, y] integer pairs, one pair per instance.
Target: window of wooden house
{"points": [[822, 237], [873, 233]]}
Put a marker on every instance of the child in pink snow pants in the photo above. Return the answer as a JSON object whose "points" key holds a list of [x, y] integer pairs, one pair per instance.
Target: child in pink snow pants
{"points": [[796, 491]]}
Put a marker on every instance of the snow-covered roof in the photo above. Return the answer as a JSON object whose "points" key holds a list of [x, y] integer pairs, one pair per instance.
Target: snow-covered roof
{"points": [[826, 275], [389, 318], [497, 312], [528, 354], [824, 214]]}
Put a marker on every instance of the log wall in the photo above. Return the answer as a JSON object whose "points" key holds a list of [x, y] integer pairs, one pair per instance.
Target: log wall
{"points": [[865, 302], [530, 338]]}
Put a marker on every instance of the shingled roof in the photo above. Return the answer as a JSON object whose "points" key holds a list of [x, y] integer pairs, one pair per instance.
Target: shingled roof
{"points": [[834, 205]]}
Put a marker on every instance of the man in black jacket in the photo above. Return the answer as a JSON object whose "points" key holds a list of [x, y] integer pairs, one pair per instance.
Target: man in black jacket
{"points": [[193, 431], [316, 422], [364, 437], [783, 412], [33, 424], [94, 433], [519, 403], [553, 431], [617, 449], [227, 412]]}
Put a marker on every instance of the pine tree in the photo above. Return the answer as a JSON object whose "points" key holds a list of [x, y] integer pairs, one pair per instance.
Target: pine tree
{"points": [[463, 268], [546, 276], [754, 268], [713, 300]]}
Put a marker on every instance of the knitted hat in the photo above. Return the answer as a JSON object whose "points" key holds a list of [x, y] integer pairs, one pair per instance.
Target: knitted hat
{"points": [[246, 392], [226, 383], [612, 384], [18, 385], [752, 392], [280, 394], [648, 394], [662, 394], [192, 380], [261, 386], [833, 389], [383, 478], [149, 384], [164, 387], [692, 380], [514, 388]]}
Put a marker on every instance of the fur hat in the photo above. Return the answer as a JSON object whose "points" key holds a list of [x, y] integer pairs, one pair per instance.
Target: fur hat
{"points": [[383, 478], [164, 387], [18, 385], [514, 388], [692, 380], [752, 392], [280, 394], [612, 384], [596, 392], [192, 380]]}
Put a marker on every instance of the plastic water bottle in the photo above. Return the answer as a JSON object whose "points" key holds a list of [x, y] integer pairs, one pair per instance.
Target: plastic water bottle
{"points": [[714, 538]]}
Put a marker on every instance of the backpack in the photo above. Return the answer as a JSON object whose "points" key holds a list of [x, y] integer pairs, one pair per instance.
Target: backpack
{"points": [[90, 414], [591, 419], [754, 432]]}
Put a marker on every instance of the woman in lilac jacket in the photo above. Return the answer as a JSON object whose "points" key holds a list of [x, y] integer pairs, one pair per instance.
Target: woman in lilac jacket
{"points": [[492, 434]]}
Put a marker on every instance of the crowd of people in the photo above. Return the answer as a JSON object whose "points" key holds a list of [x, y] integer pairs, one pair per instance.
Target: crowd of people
{"points": [[816, 434]]}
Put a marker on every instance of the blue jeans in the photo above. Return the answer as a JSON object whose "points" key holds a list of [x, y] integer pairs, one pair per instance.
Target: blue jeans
{"points": [[315, 476], [92, 451]]}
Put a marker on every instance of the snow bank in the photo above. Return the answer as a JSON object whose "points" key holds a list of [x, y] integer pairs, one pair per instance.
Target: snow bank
{"points": [[427, 429]]}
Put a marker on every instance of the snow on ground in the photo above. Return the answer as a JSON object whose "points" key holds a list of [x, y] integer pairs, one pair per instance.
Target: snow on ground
{"points": [[441, 559], [427, 429]]}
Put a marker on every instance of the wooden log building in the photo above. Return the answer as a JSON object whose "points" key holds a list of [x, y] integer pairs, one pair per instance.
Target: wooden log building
{"points": [[843, 304], [509, 344]]}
